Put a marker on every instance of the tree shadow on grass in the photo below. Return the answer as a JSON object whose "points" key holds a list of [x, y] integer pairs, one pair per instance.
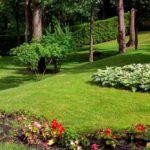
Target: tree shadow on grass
{"points": [[15, 76], [84, 56], [118, 60], [13, 81]]}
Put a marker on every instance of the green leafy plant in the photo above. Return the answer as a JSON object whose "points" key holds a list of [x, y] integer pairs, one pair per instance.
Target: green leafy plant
{"points": [[135, 77], [139, 134], [52, 47], [69, 139], [107, 138]]}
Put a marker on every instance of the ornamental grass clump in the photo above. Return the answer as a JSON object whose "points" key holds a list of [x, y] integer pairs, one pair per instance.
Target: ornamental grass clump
{"points": [[135, 77]]}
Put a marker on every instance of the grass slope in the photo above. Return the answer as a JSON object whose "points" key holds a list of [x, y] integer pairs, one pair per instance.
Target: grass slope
{"points": [[71, 98]]}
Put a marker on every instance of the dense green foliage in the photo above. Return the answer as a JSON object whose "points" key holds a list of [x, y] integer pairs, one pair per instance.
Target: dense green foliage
{"points": [[53, 47], [135, 77], [104, 30]]}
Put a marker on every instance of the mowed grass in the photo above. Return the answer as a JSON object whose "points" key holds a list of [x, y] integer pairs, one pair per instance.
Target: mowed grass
{"points": [[70, 96]]}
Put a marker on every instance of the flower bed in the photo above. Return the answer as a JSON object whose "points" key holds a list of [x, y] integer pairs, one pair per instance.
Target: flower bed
{"points": [[135, 77], [38, 132]]}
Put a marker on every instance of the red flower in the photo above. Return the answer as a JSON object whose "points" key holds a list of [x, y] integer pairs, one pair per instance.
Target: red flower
{"points": [[61, 130], [57, 126], [54, 124], [108, 131], [94, 147], [140, 128], [125, 131]]}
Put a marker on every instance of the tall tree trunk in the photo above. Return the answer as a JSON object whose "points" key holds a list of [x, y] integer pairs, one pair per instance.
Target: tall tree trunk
{"points": [[30, 21], [103, 12], [26, 20], [91, 35], [136, 37], [17, 22], [132, 39], [37, 20], [121, 27], [5, 28], [37, 31]]}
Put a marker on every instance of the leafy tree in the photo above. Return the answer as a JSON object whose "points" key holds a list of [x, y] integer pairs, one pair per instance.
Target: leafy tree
{"points": [[88, 8]]}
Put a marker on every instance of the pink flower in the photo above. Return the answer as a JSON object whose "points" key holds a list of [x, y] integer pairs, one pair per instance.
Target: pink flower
{"points": [[114, 137], [37, 124], [94, 147], [45, 144]]}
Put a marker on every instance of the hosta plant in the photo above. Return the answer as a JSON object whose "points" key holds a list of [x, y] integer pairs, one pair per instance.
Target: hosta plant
{"points": [[135, 77]]}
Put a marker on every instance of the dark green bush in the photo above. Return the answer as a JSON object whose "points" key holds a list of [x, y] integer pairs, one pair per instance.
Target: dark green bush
{"points": [[53, 47], [104, 30]]}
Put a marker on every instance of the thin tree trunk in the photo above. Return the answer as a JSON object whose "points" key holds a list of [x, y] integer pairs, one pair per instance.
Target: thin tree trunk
{"points": [[136, 37], [37, 20], [5, 24], [91, 35], [37, 31], [103, 12], [121, 27], [17, 22], [132, 39], [30, 21], [26, 20]]}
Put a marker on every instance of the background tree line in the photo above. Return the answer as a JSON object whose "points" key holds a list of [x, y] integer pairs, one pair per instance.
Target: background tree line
{"points": [[31, 17]]}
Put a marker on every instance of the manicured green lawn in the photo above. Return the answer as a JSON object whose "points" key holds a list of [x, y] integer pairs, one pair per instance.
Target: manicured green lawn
{"points": [[71, 98]]}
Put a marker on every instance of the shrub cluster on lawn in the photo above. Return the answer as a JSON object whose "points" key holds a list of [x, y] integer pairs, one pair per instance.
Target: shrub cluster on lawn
{"points": [[104, 30], [36, 131], [53, 47], [135, 77]]}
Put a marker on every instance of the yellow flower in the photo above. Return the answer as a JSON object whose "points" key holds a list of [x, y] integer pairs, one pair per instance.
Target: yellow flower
{"points": [[51, 142]]}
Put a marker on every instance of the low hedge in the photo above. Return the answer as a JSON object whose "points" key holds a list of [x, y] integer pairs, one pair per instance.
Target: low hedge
{"points": [[104, 30]]}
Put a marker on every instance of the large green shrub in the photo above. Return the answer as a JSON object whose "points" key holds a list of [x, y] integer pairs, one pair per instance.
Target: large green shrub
{"points": [[104, 30], [53, 47], [135, 77]]}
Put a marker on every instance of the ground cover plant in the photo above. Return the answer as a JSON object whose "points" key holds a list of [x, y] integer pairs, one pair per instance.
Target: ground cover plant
{"points": [[102, 105], [37, 132], [135, 77]]}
